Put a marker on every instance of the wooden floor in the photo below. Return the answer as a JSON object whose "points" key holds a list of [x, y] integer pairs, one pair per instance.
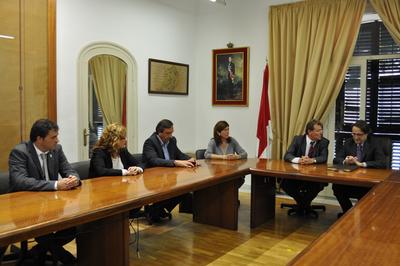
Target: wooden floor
{"points": [[182, 242]]}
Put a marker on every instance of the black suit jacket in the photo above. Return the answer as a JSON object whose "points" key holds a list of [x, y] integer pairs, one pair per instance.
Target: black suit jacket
{"points": [[153, 154], [372, 152], [298, 149], [26, 172], [101, 163]]}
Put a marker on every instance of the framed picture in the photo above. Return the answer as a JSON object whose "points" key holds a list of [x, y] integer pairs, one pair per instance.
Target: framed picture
{"points": [[230, 76], [168, 77]]}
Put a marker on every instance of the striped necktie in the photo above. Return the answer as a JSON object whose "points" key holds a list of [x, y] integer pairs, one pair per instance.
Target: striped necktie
{"points": [[311, 151], [359, 152]]}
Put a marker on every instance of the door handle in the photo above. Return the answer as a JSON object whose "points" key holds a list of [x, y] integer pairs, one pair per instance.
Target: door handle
{"points": [[85, 135]]}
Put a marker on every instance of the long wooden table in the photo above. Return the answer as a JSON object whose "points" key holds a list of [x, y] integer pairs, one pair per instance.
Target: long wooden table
{"points": [[265, 172], [368, 234], [100, 206]]}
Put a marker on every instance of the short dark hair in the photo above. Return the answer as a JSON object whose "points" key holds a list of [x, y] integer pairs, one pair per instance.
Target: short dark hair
{"points": [[163, 124], [41, 128], [219, 126], [363, 126], [310, 125]]}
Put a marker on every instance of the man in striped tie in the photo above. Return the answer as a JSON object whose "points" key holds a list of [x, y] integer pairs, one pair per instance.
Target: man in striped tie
{"points": [[310, 148]]}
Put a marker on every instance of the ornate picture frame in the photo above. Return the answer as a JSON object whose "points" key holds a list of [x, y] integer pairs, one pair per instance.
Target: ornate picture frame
{"points": [[230, 76]]}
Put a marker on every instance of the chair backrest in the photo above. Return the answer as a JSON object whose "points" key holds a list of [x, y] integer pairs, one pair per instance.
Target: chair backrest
{"points": [[4, 183], [82, 167], [200, 154], [387, 147], [138, 157]]}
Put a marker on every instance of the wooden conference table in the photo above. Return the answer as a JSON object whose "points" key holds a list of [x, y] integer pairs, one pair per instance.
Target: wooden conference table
{"points": [[368, 234], [264, 174], [101, 205]]}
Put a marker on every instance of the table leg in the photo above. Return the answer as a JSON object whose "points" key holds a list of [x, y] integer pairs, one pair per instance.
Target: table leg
{"points": [[104, 242], [262, 199], [217, 205]]}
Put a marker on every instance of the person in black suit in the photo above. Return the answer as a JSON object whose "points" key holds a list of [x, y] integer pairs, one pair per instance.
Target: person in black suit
{"points": [[361, 150], [160, 149], [35, 166], [110, 155], [310, 148]]}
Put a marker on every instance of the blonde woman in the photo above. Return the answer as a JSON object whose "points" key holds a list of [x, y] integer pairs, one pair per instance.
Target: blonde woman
{"points": [[110, 155]]}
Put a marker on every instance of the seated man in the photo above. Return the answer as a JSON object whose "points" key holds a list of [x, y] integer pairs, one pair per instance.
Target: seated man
{"points": [[160, 149], [361, 150], [35, 166], [309, 148]]}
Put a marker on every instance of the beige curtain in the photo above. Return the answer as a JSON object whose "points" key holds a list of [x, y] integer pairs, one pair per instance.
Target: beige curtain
{"points": [[310, 47], [389, 11], [109, 74]]}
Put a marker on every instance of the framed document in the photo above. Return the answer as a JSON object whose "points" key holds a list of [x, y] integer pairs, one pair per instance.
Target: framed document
{"points": [[168, 77]]}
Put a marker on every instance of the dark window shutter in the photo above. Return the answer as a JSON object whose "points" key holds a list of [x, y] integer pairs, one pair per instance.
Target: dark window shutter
{"points": [[382, 94]]}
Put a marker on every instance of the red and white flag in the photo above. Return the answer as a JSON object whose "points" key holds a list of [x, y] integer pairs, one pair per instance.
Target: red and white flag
{"points": [[263, 115]]}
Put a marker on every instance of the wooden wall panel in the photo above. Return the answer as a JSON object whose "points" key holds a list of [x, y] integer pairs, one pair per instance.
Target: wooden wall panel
{"points": [[35, 61], [27, 62], [9, 76]]}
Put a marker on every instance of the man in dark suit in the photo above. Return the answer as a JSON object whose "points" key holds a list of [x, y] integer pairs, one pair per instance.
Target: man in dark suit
{"points": [[310, 148], [160, 149], [35, 166], [361, 150]]}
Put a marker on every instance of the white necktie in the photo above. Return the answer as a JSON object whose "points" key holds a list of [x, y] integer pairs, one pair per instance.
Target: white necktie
{"points": [[45, 170]]}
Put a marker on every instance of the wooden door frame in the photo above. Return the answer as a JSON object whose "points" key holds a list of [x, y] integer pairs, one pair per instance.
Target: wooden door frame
{"points": [[88, 52], [52, 67]]}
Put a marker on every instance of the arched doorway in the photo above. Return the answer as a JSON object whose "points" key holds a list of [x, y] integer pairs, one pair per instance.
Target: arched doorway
{"points": [[85, 97]]}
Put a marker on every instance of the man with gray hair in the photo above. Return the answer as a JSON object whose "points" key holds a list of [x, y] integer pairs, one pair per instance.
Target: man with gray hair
{"points": [[310, 148]]}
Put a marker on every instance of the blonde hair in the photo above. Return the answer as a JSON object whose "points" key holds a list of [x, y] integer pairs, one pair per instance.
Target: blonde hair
{"points": [[110, 137]]}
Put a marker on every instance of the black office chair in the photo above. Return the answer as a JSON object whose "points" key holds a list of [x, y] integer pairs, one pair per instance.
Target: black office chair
{"points": [[17, 254], [82, 168], [387, 147], [4, 183], [200, 154], [294, 207], [138, 157]]}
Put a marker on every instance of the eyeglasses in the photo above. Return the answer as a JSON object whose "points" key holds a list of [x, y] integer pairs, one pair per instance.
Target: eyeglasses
{"points": [[358, 134]]}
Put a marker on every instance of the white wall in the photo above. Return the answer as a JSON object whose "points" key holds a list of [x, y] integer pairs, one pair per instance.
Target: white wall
{"points": [[244, 23], [183, 31], [147, 29]]}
